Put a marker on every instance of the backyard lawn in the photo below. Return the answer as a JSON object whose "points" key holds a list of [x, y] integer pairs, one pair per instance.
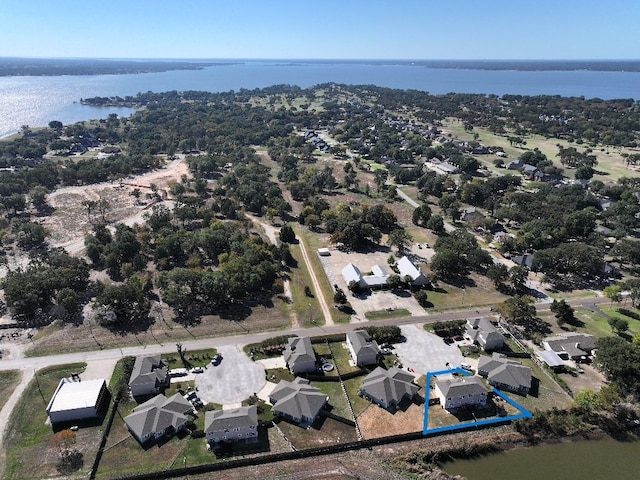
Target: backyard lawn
{"points": [[325, 431]]}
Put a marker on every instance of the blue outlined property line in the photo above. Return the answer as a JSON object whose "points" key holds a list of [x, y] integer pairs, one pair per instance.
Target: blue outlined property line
{"points": [[524, 413]]}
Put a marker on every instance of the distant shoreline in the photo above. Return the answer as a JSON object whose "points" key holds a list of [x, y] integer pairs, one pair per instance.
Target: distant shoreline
{"points": [[40, 67], [58, 67]]}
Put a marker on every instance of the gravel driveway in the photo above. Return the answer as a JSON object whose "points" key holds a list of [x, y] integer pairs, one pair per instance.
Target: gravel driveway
{"points": [[426, 352], [234, 380]]}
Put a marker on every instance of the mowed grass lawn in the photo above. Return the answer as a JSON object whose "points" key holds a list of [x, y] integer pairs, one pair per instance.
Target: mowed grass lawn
{"points": [[8, 381], [306, 308], [447, 297], [30, 452], [123, 454]]}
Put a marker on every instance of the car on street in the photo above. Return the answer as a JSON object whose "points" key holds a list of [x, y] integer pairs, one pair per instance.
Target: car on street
{"points": [[215, 361]]}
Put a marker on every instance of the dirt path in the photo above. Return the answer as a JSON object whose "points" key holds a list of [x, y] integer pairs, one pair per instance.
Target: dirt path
{"points": [[272, 234], [5, 413], [328, 320]]}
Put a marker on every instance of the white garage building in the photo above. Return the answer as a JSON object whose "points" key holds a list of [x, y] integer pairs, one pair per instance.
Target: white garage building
{"points": [[74, 401]]}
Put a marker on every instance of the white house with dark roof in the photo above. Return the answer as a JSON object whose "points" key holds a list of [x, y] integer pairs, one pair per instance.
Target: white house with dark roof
{"points": [[299, 355], [482, 332], [363, 350], [149, 376], [570, 345], [158, 417], [297, 401], [505, 374], [388, 388], [468, 391], [408, 269], [232, 425]]}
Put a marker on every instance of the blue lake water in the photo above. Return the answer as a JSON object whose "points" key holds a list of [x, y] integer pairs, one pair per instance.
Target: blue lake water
{"points": [[35, 101]]}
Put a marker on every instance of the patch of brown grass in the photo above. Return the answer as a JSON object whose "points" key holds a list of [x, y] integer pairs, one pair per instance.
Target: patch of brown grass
{"points": [[376, 422]]}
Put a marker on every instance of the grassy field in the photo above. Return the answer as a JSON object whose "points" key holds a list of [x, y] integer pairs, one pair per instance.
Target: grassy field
{"points": [[8, 381], [384, 314], [29, 436], [307, 309], [57, 338], [631, 315], [312, 243], [448, 297], [610, 161]]}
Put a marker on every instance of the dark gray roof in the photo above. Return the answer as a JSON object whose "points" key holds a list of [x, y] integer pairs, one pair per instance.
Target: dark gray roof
{"points": [[389, 386], [228, 419], [575, 344], [299, 349], [362, 343], [297, 399], [482, 327], [157, 414], [148, 369], [499, 369], [465, 387]]}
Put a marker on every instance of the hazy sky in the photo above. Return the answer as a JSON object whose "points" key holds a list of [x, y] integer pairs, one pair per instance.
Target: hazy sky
{"points": [[368, 29]]}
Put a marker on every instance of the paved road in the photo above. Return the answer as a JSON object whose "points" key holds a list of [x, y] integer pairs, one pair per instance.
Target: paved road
{"points": [[28, 366]]}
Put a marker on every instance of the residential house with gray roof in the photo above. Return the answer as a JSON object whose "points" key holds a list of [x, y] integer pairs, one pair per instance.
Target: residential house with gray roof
{"points": [[159, 416], [505, 374], [232, 425], [570, 345], [299, 355], [388, 388], [468, 391], [363, 350], [482, 332], [149, 376], [297, 401]]}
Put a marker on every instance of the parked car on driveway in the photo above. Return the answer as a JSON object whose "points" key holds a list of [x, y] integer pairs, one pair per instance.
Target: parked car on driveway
{"points": [[197, 370]]}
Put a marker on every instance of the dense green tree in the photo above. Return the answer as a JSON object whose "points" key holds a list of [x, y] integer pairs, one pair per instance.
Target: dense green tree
{"points": [[421, 215], [620, 362], [563, 312], [400, 239], [287, 234]]}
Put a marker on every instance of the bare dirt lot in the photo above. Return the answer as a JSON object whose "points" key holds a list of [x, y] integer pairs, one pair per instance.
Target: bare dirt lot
{"points": [[71, 221], [376, 422]]}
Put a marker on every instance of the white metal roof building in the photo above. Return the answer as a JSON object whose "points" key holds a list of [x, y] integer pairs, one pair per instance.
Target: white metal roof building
{"points": [[77, 400]]}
